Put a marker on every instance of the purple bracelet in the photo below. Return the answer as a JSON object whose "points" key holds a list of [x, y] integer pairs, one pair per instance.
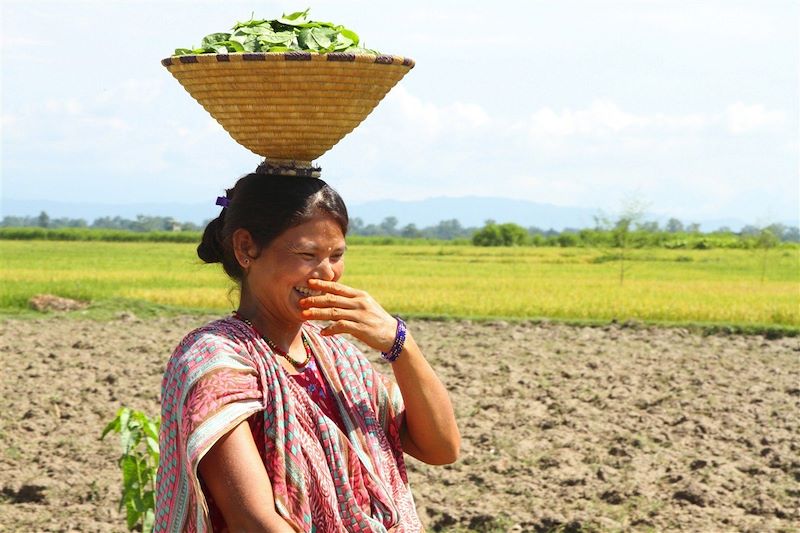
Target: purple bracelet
{"points": [[399, 339]]}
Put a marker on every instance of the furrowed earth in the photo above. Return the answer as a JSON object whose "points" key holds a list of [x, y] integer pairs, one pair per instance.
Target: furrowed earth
{"points": [[563, 428]]}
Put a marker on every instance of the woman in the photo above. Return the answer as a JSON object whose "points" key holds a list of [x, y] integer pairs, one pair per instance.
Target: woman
{"points": [[272, 423]]}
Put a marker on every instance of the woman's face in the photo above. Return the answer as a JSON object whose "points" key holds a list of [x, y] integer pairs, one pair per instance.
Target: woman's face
{"points": [[278, 278]]}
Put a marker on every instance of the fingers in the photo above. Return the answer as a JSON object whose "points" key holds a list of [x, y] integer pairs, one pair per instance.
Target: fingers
{"points": [[330, 300], [341, 326], [333, 287], [328, 313]]}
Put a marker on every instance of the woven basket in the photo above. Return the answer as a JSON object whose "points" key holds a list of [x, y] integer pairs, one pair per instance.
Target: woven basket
{"points": [[288, 107]]}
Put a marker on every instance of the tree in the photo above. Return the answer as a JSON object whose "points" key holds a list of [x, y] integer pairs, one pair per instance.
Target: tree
{"points": [[447, 229], [779, 230], [694, 227], [356, 225], [43, 221], [389, 226], [792, 234], [621, 227], [749, 231], [674, 225], [650, 226], [535, 230], [410, 231], [766, 241]]}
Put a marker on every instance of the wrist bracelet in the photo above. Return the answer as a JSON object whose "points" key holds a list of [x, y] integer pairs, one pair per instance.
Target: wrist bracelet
{"points": [[399, 339]]}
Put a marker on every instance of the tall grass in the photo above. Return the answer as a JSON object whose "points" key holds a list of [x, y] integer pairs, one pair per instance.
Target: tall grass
{"points": [[719, 286]]}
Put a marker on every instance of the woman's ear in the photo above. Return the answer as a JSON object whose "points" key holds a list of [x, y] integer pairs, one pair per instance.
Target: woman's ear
{"points": [[244, 247]]}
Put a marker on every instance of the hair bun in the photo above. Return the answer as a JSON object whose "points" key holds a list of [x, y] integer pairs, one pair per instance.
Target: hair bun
{"points": [[210, 249]]}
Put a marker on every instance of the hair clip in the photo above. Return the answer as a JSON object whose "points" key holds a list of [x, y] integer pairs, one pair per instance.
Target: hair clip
{"points": [[223, 201]]}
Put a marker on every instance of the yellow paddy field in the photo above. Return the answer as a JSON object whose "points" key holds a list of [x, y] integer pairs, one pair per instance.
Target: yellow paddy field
{"points": [[698, 286]]}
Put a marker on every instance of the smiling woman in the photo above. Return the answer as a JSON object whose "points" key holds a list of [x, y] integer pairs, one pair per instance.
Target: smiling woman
{"points": [[273, 423]]}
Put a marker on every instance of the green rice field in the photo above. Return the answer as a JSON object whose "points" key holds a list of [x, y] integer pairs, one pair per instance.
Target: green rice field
{"points": [[674, 286]]}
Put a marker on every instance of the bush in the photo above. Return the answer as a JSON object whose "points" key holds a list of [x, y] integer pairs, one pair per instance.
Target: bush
{"points": [[501, 235], [568, 240]]}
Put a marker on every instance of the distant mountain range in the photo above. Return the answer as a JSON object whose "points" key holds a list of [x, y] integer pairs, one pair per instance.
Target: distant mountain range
{"points": [[468, 210]]}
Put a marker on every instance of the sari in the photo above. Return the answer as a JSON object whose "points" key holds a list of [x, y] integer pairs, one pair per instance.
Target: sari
{"points": [[324, 477]]}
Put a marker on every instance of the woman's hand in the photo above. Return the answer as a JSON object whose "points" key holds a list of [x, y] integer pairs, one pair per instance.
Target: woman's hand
{"points": [[429, 430], [352, 311]]}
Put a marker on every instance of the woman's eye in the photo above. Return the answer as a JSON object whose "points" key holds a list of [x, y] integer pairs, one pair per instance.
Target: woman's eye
{"points": [[307, 256]]}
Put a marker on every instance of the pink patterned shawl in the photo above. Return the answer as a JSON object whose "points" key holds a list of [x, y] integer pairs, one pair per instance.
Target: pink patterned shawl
{"points": [[223, 373]]}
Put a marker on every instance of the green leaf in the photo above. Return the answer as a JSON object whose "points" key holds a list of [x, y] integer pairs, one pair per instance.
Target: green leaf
{"points": [[252, 46], [130, 473], [149, 519], [325, 37], [342, 43], [152, 445], [151, 427], [359, 50], [298, 17], [132, 514], [233, 46], [281, 37], [279, 49], [213, 38], [112, 426], [315, 24], [264, 29], [124, 416], [249, 24], [125, 429], [348, 34], [182, 52], [305, 40]]}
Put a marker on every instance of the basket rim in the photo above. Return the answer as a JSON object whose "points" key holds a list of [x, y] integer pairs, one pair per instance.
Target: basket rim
{"points": [[332, 57]]}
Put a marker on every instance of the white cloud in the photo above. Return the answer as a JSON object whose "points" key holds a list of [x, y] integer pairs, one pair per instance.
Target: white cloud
{"points": [[432, 120], [742, 118], [604, 117]]}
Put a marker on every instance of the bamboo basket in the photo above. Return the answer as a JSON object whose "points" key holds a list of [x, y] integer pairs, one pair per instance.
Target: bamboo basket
{"points": [[292, 107]]}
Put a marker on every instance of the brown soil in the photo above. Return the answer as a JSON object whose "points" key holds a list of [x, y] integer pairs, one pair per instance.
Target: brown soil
{"points": [[564, 428], [49, 302]]}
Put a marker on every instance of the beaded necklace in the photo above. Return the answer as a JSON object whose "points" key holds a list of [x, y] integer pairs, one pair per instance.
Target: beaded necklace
{"points": [[298, 365]]}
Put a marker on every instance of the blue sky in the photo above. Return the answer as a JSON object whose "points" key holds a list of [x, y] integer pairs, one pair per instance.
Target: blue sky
{"points": [[691, 107]]}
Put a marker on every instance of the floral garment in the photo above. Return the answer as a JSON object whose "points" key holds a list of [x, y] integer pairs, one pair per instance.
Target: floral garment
{"points": [[326, 477]]}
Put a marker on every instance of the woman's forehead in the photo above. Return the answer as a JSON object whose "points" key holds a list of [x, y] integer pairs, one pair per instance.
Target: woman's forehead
{"points": [[319, 232]]}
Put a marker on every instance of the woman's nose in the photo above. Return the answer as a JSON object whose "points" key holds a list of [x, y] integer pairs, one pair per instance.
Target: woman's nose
{"points": [[325, 271]]}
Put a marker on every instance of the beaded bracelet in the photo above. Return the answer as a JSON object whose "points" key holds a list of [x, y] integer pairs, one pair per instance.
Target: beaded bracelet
{"points": [[399, 339]]}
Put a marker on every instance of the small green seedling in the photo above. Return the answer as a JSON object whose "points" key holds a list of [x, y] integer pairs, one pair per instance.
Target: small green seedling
{"points": [[138, 435]]}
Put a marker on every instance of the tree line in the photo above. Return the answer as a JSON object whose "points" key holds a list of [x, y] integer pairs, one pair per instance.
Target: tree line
{"points": [[142, 223], [625, 231]]}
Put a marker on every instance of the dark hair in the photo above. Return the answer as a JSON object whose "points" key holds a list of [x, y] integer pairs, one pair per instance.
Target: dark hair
{"points": [[266, 206]]}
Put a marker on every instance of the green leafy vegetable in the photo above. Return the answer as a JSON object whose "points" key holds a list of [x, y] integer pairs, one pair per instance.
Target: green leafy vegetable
{"points": [[292, 32]]}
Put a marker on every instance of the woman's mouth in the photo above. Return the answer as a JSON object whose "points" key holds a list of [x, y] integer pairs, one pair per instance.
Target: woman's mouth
{"points": [[306, 292]]}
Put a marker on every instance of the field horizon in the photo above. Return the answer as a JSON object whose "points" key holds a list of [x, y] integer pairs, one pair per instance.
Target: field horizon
{"points": [[714, 289]]}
